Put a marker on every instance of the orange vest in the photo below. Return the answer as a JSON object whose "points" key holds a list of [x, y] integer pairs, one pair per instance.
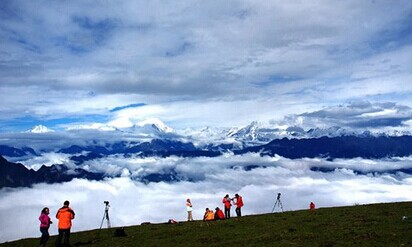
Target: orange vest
{"points": [[65, 216]]}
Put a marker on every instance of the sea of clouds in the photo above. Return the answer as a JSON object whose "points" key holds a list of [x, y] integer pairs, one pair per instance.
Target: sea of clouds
{"points": [[207, 181]]}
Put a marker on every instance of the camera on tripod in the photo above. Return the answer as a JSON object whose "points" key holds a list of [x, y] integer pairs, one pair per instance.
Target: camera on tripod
{"points": [[278, 203], [106, 215]]}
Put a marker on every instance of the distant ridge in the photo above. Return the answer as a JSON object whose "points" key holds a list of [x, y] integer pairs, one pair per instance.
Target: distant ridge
{"points": [[368, 147], [17, 175]]}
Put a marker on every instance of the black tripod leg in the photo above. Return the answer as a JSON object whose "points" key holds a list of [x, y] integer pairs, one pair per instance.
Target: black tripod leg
{"points": [[104, 216], [274, 207]]}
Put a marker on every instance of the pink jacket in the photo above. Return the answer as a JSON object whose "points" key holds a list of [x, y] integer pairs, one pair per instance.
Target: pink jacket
{"points": [[44, 220]]}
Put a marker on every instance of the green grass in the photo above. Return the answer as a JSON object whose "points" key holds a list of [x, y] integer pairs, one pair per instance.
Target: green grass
{"points": [[361, 225]]}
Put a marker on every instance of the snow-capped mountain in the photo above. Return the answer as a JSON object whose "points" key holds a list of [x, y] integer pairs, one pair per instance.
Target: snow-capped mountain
{"points": [[152, 128], [257, 133], [252, 133], [94, 126], [153, 138], [155, 124], [39, 129]]}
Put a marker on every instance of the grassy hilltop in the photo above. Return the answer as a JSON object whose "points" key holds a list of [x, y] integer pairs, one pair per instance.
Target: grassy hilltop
{"points": [[363, 225]]}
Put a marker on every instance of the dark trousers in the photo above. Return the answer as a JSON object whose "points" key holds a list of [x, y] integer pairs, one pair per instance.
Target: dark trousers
{"points": [[227, 213], [238, 212], [44, 235], [63, 233]]}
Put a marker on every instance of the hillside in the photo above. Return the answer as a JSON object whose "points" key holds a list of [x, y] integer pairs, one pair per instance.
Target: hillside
{"points": [[360, 225]]}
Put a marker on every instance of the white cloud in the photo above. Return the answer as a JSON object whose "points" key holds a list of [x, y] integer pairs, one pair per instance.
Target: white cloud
{"points": [[47, 159]]}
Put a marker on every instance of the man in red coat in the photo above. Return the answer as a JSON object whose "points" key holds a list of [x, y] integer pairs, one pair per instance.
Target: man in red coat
{"points": [[239, 204]]}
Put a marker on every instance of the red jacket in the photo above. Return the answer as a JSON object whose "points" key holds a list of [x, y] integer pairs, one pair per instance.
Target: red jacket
{"points": [[312, 206], [239, 202], [65, 216], [226, 201], [219, 214]]}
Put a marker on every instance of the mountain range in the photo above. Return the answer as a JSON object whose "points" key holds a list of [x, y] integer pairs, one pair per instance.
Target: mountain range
{"points": [[154, 139]]}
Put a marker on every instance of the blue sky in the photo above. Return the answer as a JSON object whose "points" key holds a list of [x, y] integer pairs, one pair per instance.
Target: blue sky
{"points": [[204, 63]]}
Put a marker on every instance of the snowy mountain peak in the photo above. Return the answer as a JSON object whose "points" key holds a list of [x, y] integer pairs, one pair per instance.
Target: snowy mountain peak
{"points": [[333, 131], [248, 130], [156, 124], [39, 129]]}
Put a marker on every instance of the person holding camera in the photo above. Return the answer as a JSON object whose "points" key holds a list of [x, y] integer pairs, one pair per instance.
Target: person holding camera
{"points": [[65, 216], [45, 222], [227, 204]]}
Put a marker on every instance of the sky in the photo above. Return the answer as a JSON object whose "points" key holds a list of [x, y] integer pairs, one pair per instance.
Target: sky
{"points": [[72, 65], [199, 63]]}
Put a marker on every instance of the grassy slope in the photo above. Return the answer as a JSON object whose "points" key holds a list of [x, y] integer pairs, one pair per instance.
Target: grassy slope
{"points": [[365, 225]]}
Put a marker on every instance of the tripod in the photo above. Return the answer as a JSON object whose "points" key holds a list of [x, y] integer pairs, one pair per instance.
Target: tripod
{"points": [[106, 215], [278, 203]]}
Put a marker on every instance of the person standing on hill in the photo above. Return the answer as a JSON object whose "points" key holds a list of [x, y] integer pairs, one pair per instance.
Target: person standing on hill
{"points": [[239, 204], [189, 210], [65, 216], [45, 222], [227, 205]]}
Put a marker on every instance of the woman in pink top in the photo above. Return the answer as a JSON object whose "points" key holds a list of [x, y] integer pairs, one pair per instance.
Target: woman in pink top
{"points": [[44, 226]]}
